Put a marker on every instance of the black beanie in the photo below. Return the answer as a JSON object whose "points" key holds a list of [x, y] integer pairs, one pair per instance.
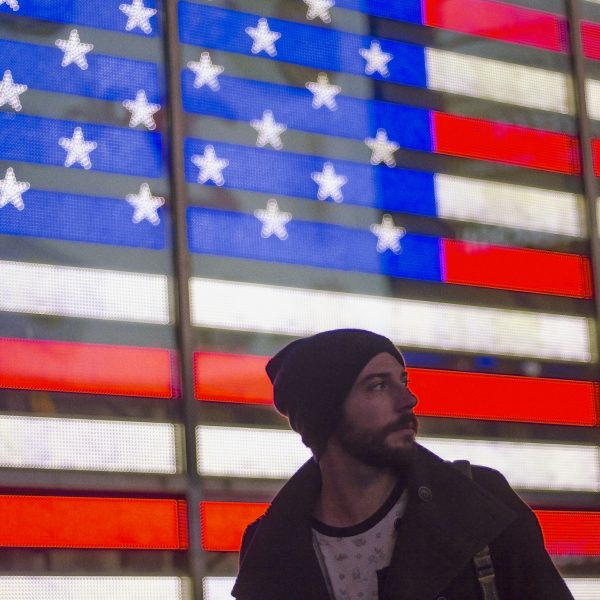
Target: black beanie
{"points": [[312, 377]]}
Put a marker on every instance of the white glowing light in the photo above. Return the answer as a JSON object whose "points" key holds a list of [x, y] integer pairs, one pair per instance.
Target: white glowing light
{"points": [[93, 588], [219, 588], [508, 205], [299, 312], [500, 81], [277, 454], [582, 588], [86, 293], [87, 445], [592, 93]]}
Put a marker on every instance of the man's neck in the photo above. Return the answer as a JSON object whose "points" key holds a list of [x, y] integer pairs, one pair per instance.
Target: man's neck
{"points": [[351, 492]]}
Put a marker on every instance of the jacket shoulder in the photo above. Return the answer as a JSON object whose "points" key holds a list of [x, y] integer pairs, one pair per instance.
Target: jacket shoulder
{"points": [[248, 535]]}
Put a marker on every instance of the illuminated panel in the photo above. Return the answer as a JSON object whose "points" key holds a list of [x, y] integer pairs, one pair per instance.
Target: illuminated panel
{"points": [[217, 588], [496, 80], [87, 293], [242, 378], [592, 93], [297, 312], [582, 588], [232, 378], [86, 368], [511, 144], [87, 444], [79, 522], [498, 20], [483, 265], [223, 523], [509, 205], [596, 156], [272, 453], [590, 37], [574, 533], [93, 587]]}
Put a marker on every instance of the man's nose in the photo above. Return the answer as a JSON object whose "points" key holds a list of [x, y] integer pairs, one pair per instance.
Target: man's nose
{"points": [[405, 398]]}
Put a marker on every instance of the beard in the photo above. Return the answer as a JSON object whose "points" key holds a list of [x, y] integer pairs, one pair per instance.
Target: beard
{"points": [[372, 449]]}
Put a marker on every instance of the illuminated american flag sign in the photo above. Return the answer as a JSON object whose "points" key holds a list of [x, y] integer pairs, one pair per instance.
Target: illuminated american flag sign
{"points": [[413, 168]]}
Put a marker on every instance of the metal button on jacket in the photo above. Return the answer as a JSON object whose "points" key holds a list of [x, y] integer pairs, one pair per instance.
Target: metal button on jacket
{"points": [[425, 493]]}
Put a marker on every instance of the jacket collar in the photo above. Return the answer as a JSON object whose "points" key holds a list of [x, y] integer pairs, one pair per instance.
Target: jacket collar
{"points": [[448, 519]]}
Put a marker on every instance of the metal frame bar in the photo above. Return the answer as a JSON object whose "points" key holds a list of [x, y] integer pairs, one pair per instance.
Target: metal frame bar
{"points": [[182, 272]]}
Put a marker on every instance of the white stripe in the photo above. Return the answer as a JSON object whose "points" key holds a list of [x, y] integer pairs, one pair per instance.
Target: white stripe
{"points": [[88, 444], [88, 293], [490, 79], [299, 312], [508, 205], [277, 454], [218, 588], [592, 93], [93, 588], [582, 588]]}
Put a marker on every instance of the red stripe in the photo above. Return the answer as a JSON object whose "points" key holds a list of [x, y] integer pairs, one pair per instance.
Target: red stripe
{"points": [[596, 156], [73, 522], [517, 269], [223, 523], [505, 143], [498, 21], [565, 532], [86, 368], [590, 37], [241, 378], [570, 532]]}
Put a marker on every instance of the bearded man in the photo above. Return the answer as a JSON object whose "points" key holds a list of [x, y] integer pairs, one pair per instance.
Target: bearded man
{"points": [[374, 515]]}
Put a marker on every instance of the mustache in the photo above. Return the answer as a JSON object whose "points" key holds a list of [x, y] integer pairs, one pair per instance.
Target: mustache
{"points": [[407, 419]]}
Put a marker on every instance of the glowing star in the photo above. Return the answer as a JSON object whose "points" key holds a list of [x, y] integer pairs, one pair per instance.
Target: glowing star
{"points": [[210, 166], [273, 220], [382, 149], [329, 183], [78, 150], [388, 235], [206, 72], [376, 59], [145, 205], [14, 4], [74, 50], [319, 8], [10, 91], [138, 15], [324, 93], [268, 130], [263, 38], [11, 190], [141, 110]]}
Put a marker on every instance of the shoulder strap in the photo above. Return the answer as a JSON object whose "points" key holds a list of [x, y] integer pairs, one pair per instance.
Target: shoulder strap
{"points": [[483, 559]]}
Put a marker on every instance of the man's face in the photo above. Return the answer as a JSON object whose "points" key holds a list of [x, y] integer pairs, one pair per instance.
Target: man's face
{"points": [[379, 426]]}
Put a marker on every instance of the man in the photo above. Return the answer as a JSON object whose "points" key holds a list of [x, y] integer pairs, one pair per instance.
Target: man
{"points": [[375, 516]]}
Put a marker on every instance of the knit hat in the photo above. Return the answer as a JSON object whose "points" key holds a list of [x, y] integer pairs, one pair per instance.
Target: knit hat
{"points": [[312, 377]]}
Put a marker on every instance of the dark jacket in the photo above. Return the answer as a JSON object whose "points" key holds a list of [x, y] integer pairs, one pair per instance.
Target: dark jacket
{"points": [[448, 519]]}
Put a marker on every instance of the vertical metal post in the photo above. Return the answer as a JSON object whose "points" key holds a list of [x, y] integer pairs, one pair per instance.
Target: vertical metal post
{"points": [[182, 272], [590, 186]]}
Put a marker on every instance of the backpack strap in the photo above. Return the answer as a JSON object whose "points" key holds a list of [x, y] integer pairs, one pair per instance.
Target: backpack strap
{"points": [[482, 559]]}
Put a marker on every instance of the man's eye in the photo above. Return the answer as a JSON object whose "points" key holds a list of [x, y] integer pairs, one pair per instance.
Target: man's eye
{"points": [[378, 386]]}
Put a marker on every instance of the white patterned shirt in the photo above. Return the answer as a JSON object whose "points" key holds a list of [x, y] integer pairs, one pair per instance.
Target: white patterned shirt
{"points": [[354, 560]]}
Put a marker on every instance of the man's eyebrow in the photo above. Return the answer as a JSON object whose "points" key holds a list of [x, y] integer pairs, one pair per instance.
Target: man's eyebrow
{"points": [[382, 375]]}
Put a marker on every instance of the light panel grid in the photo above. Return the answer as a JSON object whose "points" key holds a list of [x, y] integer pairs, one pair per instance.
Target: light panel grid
{"points": [[217, 588], [86, 293], [584, 588], [298, 312], [88, 445], [269, 453]]}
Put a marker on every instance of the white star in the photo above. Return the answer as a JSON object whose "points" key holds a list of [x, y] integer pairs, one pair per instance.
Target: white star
{"points": [[376, 59], [141, 110], [11, 190], [268, 130], [324, 93], [382, 149], [205, 72], [388, 235], [145, 205], [210, 166], [10, 91], [319, 8], [263, 38], [138, 15], [273, 220], [78, 149], [74, 50], [329, 183], [14, 4]]}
